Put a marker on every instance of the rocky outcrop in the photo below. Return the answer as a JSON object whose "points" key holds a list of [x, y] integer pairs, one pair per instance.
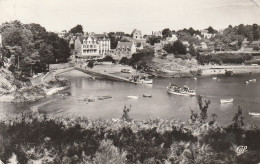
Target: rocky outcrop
{"points": [[7, 82], [13, 90]]}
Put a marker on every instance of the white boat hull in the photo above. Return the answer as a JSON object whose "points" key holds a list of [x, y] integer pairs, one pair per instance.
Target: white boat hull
{"points": [[226, 101], [254, 114], [146, 81], [181, 93], [132, 97]]}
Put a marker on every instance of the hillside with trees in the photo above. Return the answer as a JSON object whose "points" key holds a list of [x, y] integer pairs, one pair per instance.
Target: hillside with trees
{"points": [[31, 48]]}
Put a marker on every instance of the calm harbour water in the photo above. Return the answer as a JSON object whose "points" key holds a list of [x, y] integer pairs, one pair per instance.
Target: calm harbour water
{"points": [[162, 104]]}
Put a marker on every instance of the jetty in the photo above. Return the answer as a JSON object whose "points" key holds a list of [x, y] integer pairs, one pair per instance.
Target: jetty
{"points": [[104, 75]]}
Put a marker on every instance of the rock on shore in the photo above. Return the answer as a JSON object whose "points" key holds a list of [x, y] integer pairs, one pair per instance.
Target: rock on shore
{"points": [[13, 90]]}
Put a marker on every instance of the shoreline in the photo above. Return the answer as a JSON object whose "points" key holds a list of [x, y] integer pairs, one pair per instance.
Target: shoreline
{"points": [[207, 70], [210, 70], [14, 97]]}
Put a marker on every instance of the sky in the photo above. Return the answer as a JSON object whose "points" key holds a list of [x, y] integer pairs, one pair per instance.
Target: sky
{"points": [[125, 15]]}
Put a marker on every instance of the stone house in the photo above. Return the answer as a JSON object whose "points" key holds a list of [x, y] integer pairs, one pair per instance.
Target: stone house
{"points": [[168, 40], [137, 34], [157, 33], [125, 48]]}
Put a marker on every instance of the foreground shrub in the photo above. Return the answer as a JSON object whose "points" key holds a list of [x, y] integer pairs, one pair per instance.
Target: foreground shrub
{"points": [[109, 154], [78, 140]]}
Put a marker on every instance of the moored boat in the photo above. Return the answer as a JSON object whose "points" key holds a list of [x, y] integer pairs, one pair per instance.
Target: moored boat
{"points": [[226, 100], [214, 78], [132, 97], [146, 81], [126, 71], [253, 114], [229, 73], [185, 91], [147, 95], [141, 79], [252, 80]]}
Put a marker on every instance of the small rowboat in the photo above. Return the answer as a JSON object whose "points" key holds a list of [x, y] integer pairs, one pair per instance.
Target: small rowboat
{"points": [[132, 97], [146, 95], [246, 82], [126, 71], [253, 114], [214, 78], [226, 100], [252, 80], [146, 81]]}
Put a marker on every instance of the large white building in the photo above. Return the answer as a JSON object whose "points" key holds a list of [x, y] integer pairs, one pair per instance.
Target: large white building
{"points": [[92, 45]]}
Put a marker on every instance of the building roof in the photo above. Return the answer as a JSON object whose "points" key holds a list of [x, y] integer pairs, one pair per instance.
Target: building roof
{"points": [[137, 31], [101, 37], [124, 44], [96, 37]]}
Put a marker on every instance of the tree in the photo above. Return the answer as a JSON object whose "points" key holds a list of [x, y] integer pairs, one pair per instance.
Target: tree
{"points": [[238, 119], [193, 51], [176, 48], [154, 39], [113, 40], [142, 58], [167, 33], [37, 30], [211, 30], [77, 29], [256, 35], [90, 64], [61, 51], [23, 41], [32, 60], [14, 34], [124, 61]]}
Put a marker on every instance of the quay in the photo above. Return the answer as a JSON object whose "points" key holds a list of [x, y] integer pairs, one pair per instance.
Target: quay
{"points": [[104, 75]]}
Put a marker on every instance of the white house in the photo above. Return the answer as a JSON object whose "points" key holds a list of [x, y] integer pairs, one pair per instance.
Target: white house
{"points": [[203, 45], [206, 34]]}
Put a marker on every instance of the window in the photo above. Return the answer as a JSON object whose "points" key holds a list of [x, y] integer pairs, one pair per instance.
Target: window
{"points": [[136, 36], [84, 46]]}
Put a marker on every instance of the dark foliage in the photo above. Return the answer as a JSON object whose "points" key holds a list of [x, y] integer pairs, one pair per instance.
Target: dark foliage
{"points": [[31, 48], [90, 64], [76, 29], [124, 61], [154, 39], [225, 58], [107, 59], [176, 48], [142, 59]]}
